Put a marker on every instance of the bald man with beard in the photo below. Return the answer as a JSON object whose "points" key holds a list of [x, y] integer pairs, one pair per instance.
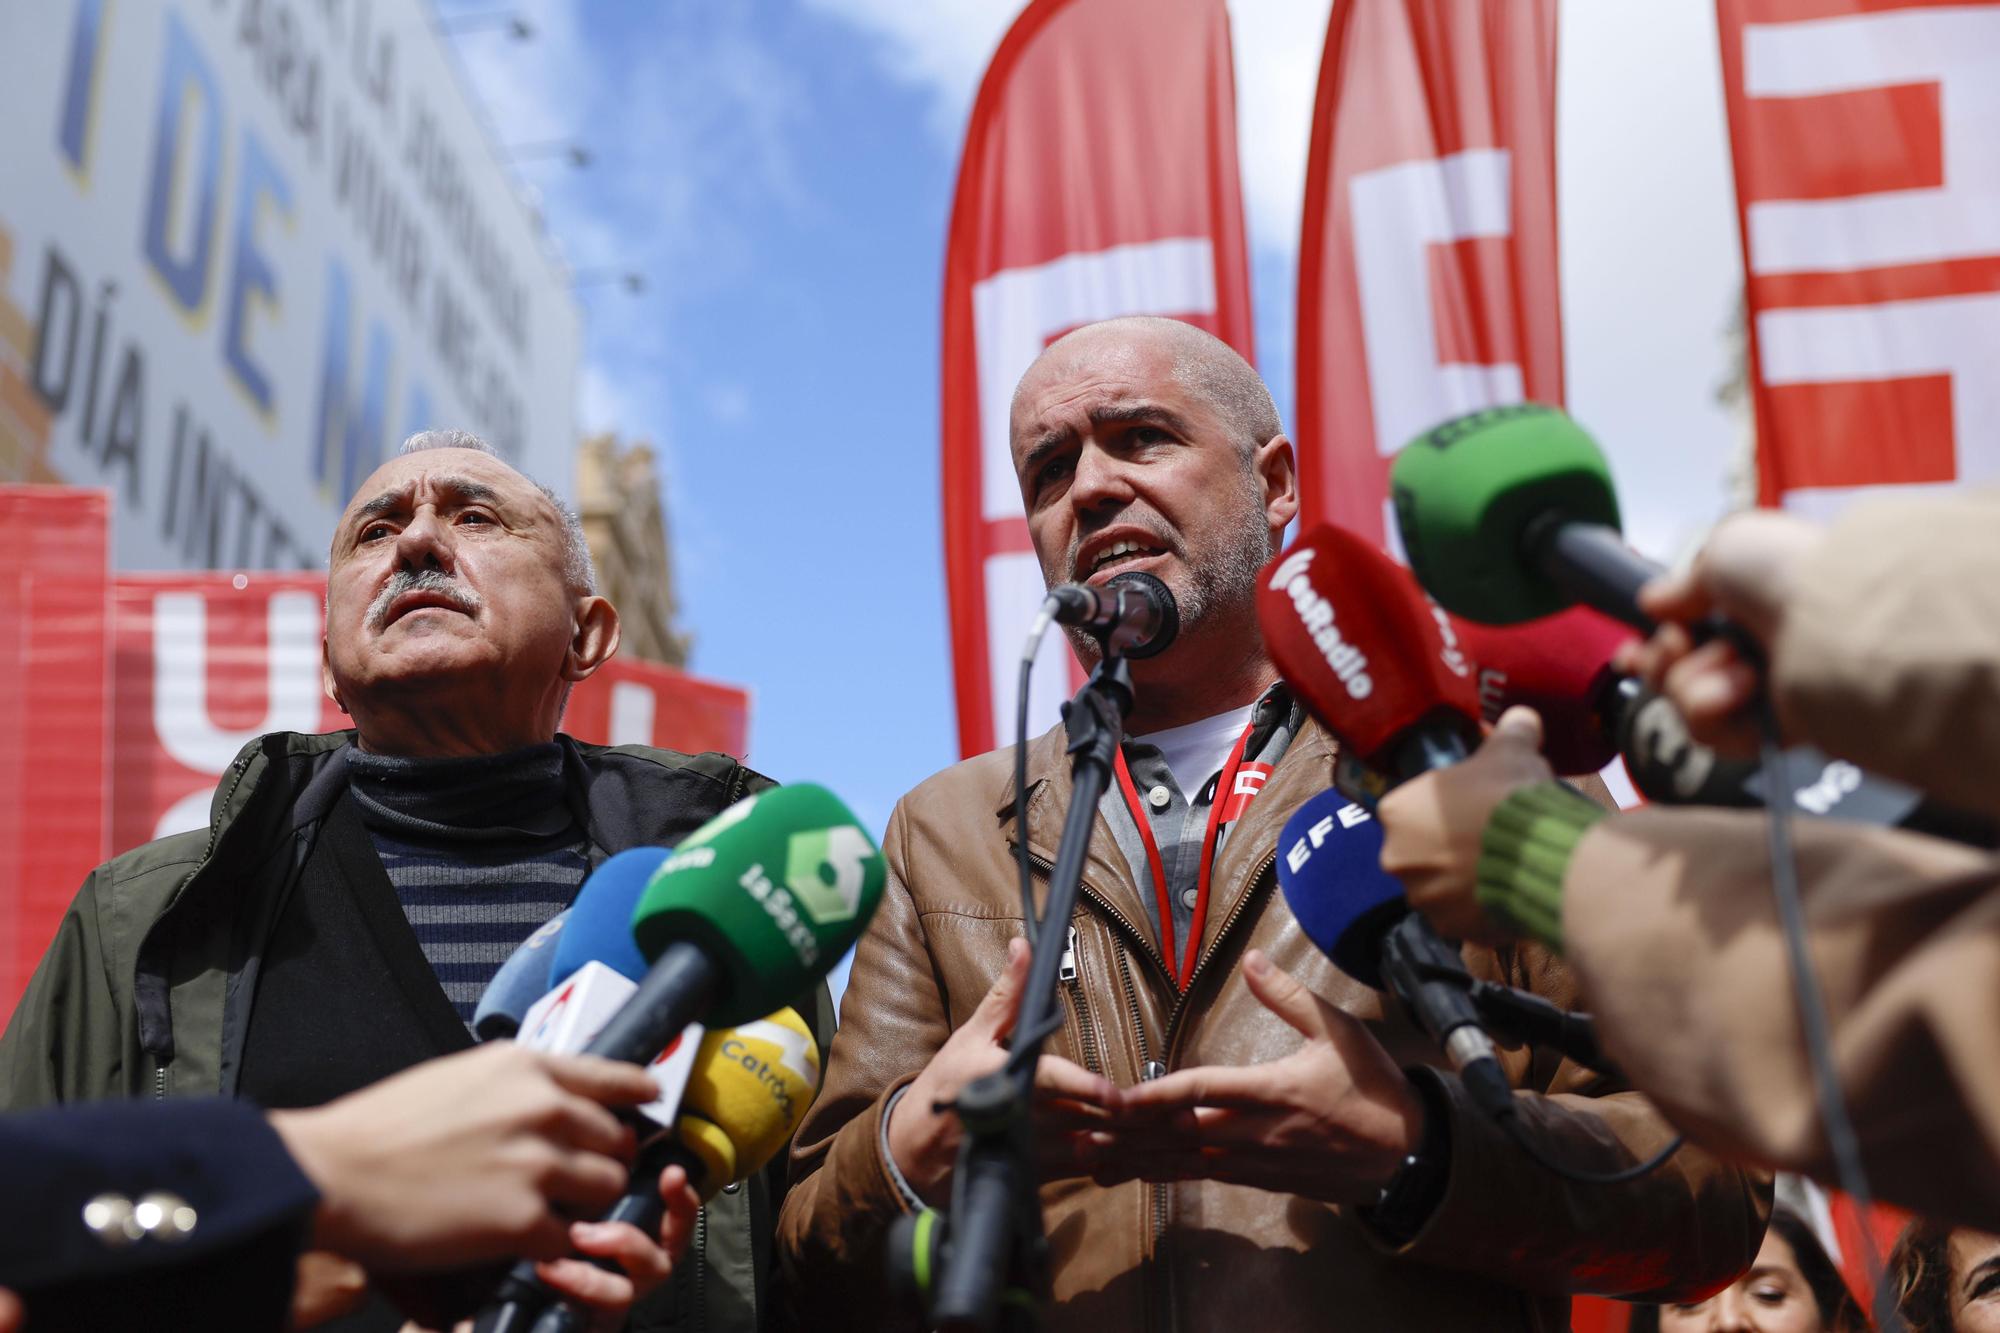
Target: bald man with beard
{"points": [[1227, 1127]]}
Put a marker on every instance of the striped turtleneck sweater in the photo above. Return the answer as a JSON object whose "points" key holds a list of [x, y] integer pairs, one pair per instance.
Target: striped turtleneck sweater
{"points": [[480, 850]]}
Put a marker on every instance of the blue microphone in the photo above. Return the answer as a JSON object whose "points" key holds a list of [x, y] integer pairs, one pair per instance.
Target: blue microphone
{"points": [[1330, 869], [600, 920], [521, 980]]}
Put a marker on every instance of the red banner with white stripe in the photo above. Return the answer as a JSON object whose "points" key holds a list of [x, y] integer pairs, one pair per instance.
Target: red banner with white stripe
{"points": [[55, 660], [1427, 261], [1099, 179], [1868, 182]]}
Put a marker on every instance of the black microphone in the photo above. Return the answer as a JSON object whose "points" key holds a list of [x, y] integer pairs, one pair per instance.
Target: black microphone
{"points": [[1133, 613], [1669, 766]]}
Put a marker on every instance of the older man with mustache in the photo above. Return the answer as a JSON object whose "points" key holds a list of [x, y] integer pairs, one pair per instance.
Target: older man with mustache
{"points": [[354, 892]]}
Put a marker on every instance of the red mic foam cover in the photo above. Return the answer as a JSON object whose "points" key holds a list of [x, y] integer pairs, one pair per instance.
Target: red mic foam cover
{"points": [[1559, 666], [1354, 635]]}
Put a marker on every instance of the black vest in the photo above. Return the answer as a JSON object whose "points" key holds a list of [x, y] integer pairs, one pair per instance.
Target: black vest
{"points": [[345, 996]]}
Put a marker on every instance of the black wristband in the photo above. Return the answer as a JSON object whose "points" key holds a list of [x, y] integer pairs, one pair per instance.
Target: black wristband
{"points": [[1415, 1191]]}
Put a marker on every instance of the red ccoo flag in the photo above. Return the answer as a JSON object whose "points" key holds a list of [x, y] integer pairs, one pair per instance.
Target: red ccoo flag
{"points": [[1867, 184], [1427, 261], [1369, 655], [1099, 179]]}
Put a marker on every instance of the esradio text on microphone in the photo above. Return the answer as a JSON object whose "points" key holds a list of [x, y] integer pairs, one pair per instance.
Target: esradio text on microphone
{"points": [[1315, 612]]}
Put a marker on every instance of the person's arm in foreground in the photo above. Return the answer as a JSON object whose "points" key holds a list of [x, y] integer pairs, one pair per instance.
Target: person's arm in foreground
{"points": [[477, 1157], [1882, 630], [460, 1161], [1667, 919]]}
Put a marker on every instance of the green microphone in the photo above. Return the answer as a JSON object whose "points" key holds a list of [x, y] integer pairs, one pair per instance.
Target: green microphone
{"points": [[1508, 514], [747, 914]]}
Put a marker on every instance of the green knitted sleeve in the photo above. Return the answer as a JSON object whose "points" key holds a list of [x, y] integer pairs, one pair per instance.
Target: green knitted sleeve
{"points": [[1525, 852]]}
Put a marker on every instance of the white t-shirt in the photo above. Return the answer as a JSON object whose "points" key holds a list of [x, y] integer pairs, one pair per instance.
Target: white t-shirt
{"points": [[1195, 752]]}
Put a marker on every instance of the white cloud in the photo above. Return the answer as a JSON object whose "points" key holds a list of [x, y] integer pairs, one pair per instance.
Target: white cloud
{"points": [[939, 47], [944, 49], [692, 122], [605, 403]]}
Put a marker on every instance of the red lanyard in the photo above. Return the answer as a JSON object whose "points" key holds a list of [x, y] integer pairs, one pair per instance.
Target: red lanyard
{"points": [[1225, 787]]}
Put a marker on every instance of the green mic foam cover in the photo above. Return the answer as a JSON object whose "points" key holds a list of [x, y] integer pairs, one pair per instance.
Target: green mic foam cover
{"points": [[1466, 491], [775, 889]]}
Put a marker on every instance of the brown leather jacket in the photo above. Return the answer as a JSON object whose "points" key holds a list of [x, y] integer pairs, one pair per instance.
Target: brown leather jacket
{"points": [[1505, 1246]]}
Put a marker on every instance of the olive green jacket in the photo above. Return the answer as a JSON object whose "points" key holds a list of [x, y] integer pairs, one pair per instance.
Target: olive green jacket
{"points": [[148, 986]]}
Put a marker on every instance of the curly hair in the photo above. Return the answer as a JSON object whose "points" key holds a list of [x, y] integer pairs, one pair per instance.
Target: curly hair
{"points": [[1920, 1266]]}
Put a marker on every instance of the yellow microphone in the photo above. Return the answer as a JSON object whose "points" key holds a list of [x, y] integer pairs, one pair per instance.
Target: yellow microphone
{"points": [[748, 1090]]}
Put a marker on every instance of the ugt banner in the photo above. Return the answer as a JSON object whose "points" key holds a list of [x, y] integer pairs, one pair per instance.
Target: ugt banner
{"points": [[1427, 262], [1868, 183], [1099, 179]]}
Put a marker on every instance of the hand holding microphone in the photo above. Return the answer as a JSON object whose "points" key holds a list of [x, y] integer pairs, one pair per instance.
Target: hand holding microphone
{"points": [[1433, 828], [1744, 572], [747, 1090], [749, 912]]}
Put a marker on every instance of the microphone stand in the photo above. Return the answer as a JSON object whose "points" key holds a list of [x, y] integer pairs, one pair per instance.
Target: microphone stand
{"points": [[985, 1267]]}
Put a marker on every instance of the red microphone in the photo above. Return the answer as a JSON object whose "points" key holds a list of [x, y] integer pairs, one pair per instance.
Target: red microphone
{"points": [[1371, 657], [1560, 666]]}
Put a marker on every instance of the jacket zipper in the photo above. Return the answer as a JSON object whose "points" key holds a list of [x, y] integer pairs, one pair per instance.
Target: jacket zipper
{"points": [[701, 1269], [1250, 895], [1086, 1033], [1148, 1068], [1132, 932]]}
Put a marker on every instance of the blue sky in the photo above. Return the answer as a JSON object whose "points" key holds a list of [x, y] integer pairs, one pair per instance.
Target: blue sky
{"points": [[781, 172]]}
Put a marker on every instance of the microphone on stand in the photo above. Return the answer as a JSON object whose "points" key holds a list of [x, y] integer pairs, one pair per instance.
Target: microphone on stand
{"points": [[1133, 613]]}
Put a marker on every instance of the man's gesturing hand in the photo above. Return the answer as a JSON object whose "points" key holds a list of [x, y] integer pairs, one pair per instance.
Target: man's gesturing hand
{"points": [[466, 1159], [1432, 825], [1068, 1098], [1330, 1121]]}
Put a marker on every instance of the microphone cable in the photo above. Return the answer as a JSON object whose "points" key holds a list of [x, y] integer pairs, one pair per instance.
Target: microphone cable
{"points": [[1526, 1143], [1842, 1142], [1043, 619]]}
